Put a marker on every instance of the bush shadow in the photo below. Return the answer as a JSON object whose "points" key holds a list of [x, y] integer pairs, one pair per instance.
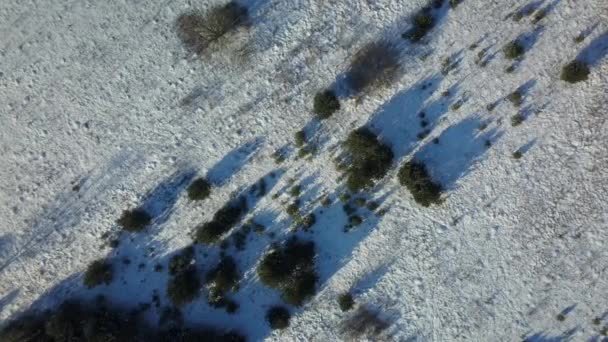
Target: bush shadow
{"points": [[595, 51], [233, 162]]}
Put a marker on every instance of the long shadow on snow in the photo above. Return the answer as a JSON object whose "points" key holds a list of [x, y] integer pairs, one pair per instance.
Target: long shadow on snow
{"points": [[232, 163], [459, 147], [595, 51]]}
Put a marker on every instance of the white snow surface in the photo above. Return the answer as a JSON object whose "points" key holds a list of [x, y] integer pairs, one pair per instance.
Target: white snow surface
{"points": [[91, 95]]}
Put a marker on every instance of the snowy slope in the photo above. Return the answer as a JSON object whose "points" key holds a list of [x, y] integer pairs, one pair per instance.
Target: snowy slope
{"points": [[92, 95]]}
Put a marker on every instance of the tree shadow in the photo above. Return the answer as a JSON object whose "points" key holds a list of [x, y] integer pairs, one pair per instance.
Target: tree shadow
{"points": [[8, 298], [159, 202], [595, 51], [233, 162], [544, 337], [459, 147]]}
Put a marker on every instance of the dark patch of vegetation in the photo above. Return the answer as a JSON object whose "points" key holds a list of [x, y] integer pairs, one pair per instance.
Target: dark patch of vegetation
{"points": [[575, 71], [516, 98], [371, 205], [415, 177], [517, 119], [296, 190], [184, 287], [278, 317], [222, 279], [510, 69], [370, 159], [423, 23], [223, 220], [539, 15], [293, 209], [181, 261], [514, 50], [517, 155], [326, 104], [198, 31], [374, 65], [199, 190], [99, 272], [346, 301], [290, 268], [455, 3], [300, 138], [355, 220], [363, 322], [360, 202], [134, 220], [73, 321]]}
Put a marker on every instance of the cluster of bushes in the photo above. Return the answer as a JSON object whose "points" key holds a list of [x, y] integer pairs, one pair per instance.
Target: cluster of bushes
{"points": [[199, 190], [99, 272], [363, 322], [198, 30], [73, 321], [184, 283], [370, 159], [375, 65], [222, 279], [134, 220], [290, 268], [223, 220], [415, 177]]}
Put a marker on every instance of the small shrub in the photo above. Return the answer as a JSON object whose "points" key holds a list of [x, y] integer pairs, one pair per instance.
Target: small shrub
{"points": [[539, 15], [134, 220], [181, 261], [517, 155], [455, 3], [200, 189], [346, 301], [290, 269], [370, 159], [293, 210], [360, 202], [325, 104], [199, 30], [580, 38], [517, 119], [184, 287], [575, 71], [514, 50], [99, 272], [223, 220], [355, 220], [300, 138], [597, 321], [561, 317], [415, 177], [516, 98], [223, 278], [424, 20], [374, 65], [510, 69], [295, 191], [278, 317]]}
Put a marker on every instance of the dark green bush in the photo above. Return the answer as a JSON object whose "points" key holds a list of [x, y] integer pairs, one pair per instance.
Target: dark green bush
{"points": [[200, 189], [415, 177], [346, 301], [363, 322], [223, 278], [278, 317], [300, 138], [374, 65], [370, 159], [99, 272], [424, 20], [134, 220], [516, 98], [293, 209], [290, 268], [223, 220], [184, 287], [514, 50], [181, 261], [295, 191], [325, 104], [198, 30], [517, 155], [575, 71], [455, 3], [517, 119]]}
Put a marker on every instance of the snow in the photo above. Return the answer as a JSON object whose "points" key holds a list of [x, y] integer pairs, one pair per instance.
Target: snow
{"points": [[102, 96]]}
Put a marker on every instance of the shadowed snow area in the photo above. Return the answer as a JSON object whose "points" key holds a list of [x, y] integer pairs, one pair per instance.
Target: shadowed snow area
{"points": [[104, 110]]}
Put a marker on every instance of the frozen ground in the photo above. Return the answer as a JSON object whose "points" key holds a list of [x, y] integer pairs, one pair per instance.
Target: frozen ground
{"points": [[103, 110]]}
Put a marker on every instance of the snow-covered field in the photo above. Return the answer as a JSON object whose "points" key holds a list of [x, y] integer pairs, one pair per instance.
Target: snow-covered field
{"points": [[102, 109]]}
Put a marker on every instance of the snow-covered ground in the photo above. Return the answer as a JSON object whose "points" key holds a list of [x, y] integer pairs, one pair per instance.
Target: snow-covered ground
{"points": [[102, 109]]}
